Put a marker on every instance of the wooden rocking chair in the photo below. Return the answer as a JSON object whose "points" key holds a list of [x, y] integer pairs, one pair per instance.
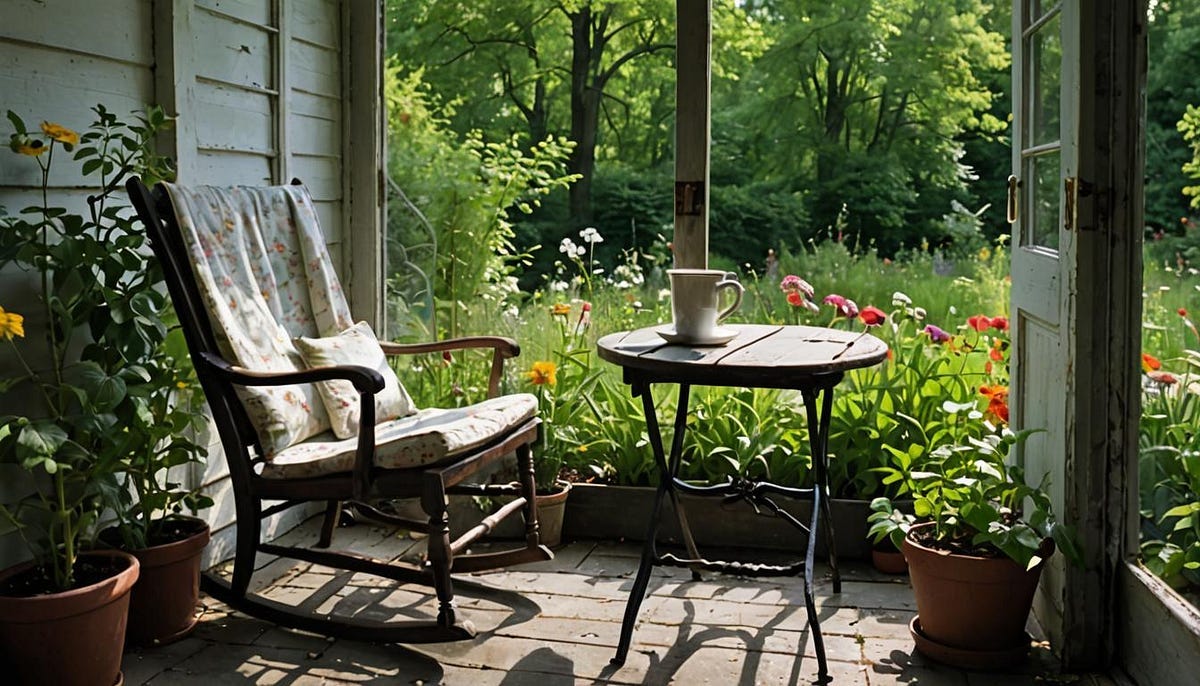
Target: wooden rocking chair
{"points": [[283, 367]]}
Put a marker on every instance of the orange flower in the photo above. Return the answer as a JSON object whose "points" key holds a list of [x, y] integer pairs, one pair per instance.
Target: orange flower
{"points": [[795, 299], [997, 401], [560, 309], [60, 133], [542, 373], [1150, 363]]}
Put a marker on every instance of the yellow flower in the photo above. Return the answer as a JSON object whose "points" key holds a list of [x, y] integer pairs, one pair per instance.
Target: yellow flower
{"points": [[60, 133], [13, 324], [560, 310], [31, 148], [542, 373], [180, 385]]}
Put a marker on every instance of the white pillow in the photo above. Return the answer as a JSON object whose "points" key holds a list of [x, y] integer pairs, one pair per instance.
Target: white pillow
{"points": [[356, 345]]}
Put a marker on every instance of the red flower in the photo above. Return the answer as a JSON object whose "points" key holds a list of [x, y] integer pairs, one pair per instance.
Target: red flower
{"points": [[979, 322], [872, 316], [1000, 323], [1182, 312], [795, 299], [996, 355], [1150, 363]]}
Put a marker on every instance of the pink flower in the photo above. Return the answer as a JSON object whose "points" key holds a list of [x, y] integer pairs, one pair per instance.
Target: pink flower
{"points": [[794, 284], [936, 334], [1164, 378], [844, 306]]}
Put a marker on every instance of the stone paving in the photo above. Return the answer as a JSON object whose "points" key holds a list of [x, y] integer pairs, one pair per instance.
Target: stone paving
{"points": [[558, 622]]}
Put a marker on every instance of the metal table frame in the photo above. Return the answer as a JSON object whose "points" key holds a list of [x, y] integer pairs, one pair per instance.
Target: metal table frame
{"points": [[816, 388]]}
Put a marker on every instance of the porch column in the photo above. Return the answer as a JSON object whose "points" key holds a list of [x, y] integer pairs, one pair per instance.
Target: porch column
{"points": [[692, 124]]}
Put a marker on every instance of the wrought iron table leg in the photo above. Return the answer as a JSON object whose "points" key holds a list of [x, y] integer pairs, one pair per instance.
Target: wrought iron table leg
{"points": [[685, 392], [667, 470], [638, 593], [818, 422]]}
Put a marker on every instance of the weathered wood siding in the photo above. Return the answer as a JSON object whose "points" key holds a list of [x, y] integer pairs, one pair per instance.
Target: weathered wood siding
{"points": [[258, 86]]}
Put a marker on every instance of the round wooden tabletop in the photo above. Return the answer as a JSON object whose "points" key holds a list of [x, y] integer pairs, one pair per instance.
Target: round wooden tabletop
{"points": [[759, 355]]}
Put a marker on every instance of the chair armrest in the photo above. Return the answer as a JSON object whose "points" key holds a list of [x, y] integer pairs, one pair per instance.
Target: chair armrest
{"points": [[365, 379], [502, 349], [506, 347]]}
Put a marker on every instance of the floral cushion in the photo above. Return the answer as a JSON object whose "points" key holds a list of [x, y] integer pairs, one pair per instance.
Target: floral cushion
{"points": [[262, 267], [356, 345], [429, 436]]}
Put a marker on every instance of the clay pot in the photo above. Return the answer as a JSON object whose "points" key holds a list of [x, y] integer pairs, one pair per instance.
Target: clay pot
{"points": [[162, 608], [73, 638], [550, 511], [968, 604], [888, 560]]}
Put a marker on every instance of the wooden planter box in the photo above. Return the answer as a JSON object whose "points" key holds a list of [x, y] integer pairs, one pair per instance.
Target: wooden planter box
{"points": [[622, 512]]}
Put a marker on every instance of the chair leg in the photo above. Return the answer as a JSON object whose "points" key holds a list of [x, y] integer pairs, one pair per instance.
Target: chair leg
{"points": [[249, 525], [333, 514], [529, 490], [433, 501]]}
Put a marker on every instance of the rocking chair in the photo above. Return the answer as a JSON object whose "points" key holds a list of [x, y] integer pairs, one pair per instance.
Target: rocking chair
{"points": [[290, 379]]}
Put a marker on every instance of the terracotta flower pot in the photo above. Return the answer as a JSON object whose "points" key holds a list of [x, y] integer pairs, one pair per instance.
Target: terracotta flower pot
{"points": [[550, 510], [969, 605], [888, 560], [162, 608], [73, 638]]}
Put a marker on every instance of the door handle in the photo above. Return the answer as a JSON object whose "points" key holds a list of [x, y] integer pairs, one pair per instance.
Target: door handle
{"points": [[1014, 195]]}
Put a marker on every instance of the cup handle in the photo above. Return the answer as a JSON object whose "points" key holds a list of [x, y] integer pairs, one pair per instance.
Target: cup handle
{"points": [[730, 281]]}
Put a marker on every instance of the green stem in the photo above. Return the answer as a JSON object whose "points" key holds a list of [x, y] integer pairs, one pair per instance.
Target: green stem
{"points": [[65, 577], [45, 274], [31, 375]]}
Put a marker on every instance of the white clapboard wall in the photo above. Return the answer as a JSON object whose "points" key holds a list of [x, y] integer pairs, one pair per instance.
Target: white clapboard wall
{"points": [[260, 89]]}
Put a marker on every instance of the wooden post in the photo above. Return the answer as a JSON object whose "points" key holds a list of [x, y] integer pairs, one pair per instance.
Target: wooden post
{"points": [[692, 125]]}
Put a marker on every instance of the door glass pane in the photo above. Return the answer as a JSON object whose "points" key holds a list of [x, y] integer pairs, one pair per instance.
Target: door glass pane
{"points": [[1041, 206], [1045, 60]]}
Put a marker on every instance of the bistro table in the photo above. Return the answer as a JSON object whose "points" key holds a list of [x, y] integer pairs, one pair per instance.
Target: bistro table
{"points": [[808, 359]]}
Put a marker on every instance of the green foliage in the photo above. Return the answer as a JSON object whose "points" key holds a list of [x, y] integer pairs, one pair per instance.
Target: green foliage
{"points": [[1189, 126], [468, 190], [976, 499], [113, 411], [1174, 41]]}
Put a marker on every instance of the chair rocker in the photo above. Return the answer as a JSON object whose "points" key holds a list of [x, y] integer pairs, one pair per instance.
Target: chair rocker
{"points": [[263, 314]]}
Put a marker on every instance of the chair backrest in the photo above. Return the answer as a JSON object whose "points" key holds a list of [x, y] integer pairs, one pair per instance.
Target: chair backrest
{"points": [[248, 271]]}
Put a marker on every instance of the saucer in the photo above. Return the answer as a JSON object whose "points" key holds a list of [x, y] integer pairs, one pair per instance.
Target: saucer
{"points": [[720, 336]]}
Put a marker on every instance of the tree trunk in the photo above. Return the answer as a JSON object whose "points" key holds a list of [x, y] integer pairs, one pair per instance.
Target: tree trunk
{"points": [[585, 112]]}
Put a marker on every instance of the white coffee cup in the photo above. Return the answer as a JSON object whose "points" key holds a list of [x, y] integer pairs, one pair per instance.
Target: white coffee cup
{"points": [[695, 301]]}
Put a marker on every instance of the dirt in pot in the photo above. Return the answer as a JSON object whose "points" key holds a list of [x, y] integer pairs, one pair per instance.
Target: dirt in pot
{"points": [[38, 581]]}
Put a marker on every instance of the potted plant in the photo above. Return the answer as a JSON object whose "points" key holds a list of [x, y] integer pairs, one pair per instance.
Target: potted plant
{"points": [[975, 551], [151, 524], [87, 383]]}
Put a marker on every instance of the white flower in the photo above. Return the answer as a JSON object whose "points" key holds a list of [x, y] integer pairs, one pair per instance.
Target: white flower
{"points": [[899, 298], [919, 312], [591, 235], [664, 294], [568, 248], [623, 284], [559, 286], [513, 312]]}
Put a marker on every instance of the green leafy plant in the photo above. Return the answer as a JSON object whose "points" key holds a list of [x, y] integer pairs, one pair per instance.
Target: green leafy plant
{"points": [[112, 399], [1169, 474], [979, 504]]}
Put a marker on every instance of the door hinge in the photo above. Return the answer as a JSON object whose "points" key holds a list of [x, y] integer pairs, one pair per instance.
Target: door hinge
{"points": [[1073, 187]]}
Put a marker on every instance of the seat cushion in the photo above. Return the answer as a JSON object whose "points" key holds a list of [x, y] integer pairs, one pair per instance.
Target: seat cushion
{"points": [[429, 436], [356, 345]]}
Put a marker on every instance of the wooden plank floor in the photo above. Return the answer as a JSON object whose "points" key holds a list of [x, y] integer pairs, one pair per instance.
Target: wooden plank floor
{"points": [[558, 622]]}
